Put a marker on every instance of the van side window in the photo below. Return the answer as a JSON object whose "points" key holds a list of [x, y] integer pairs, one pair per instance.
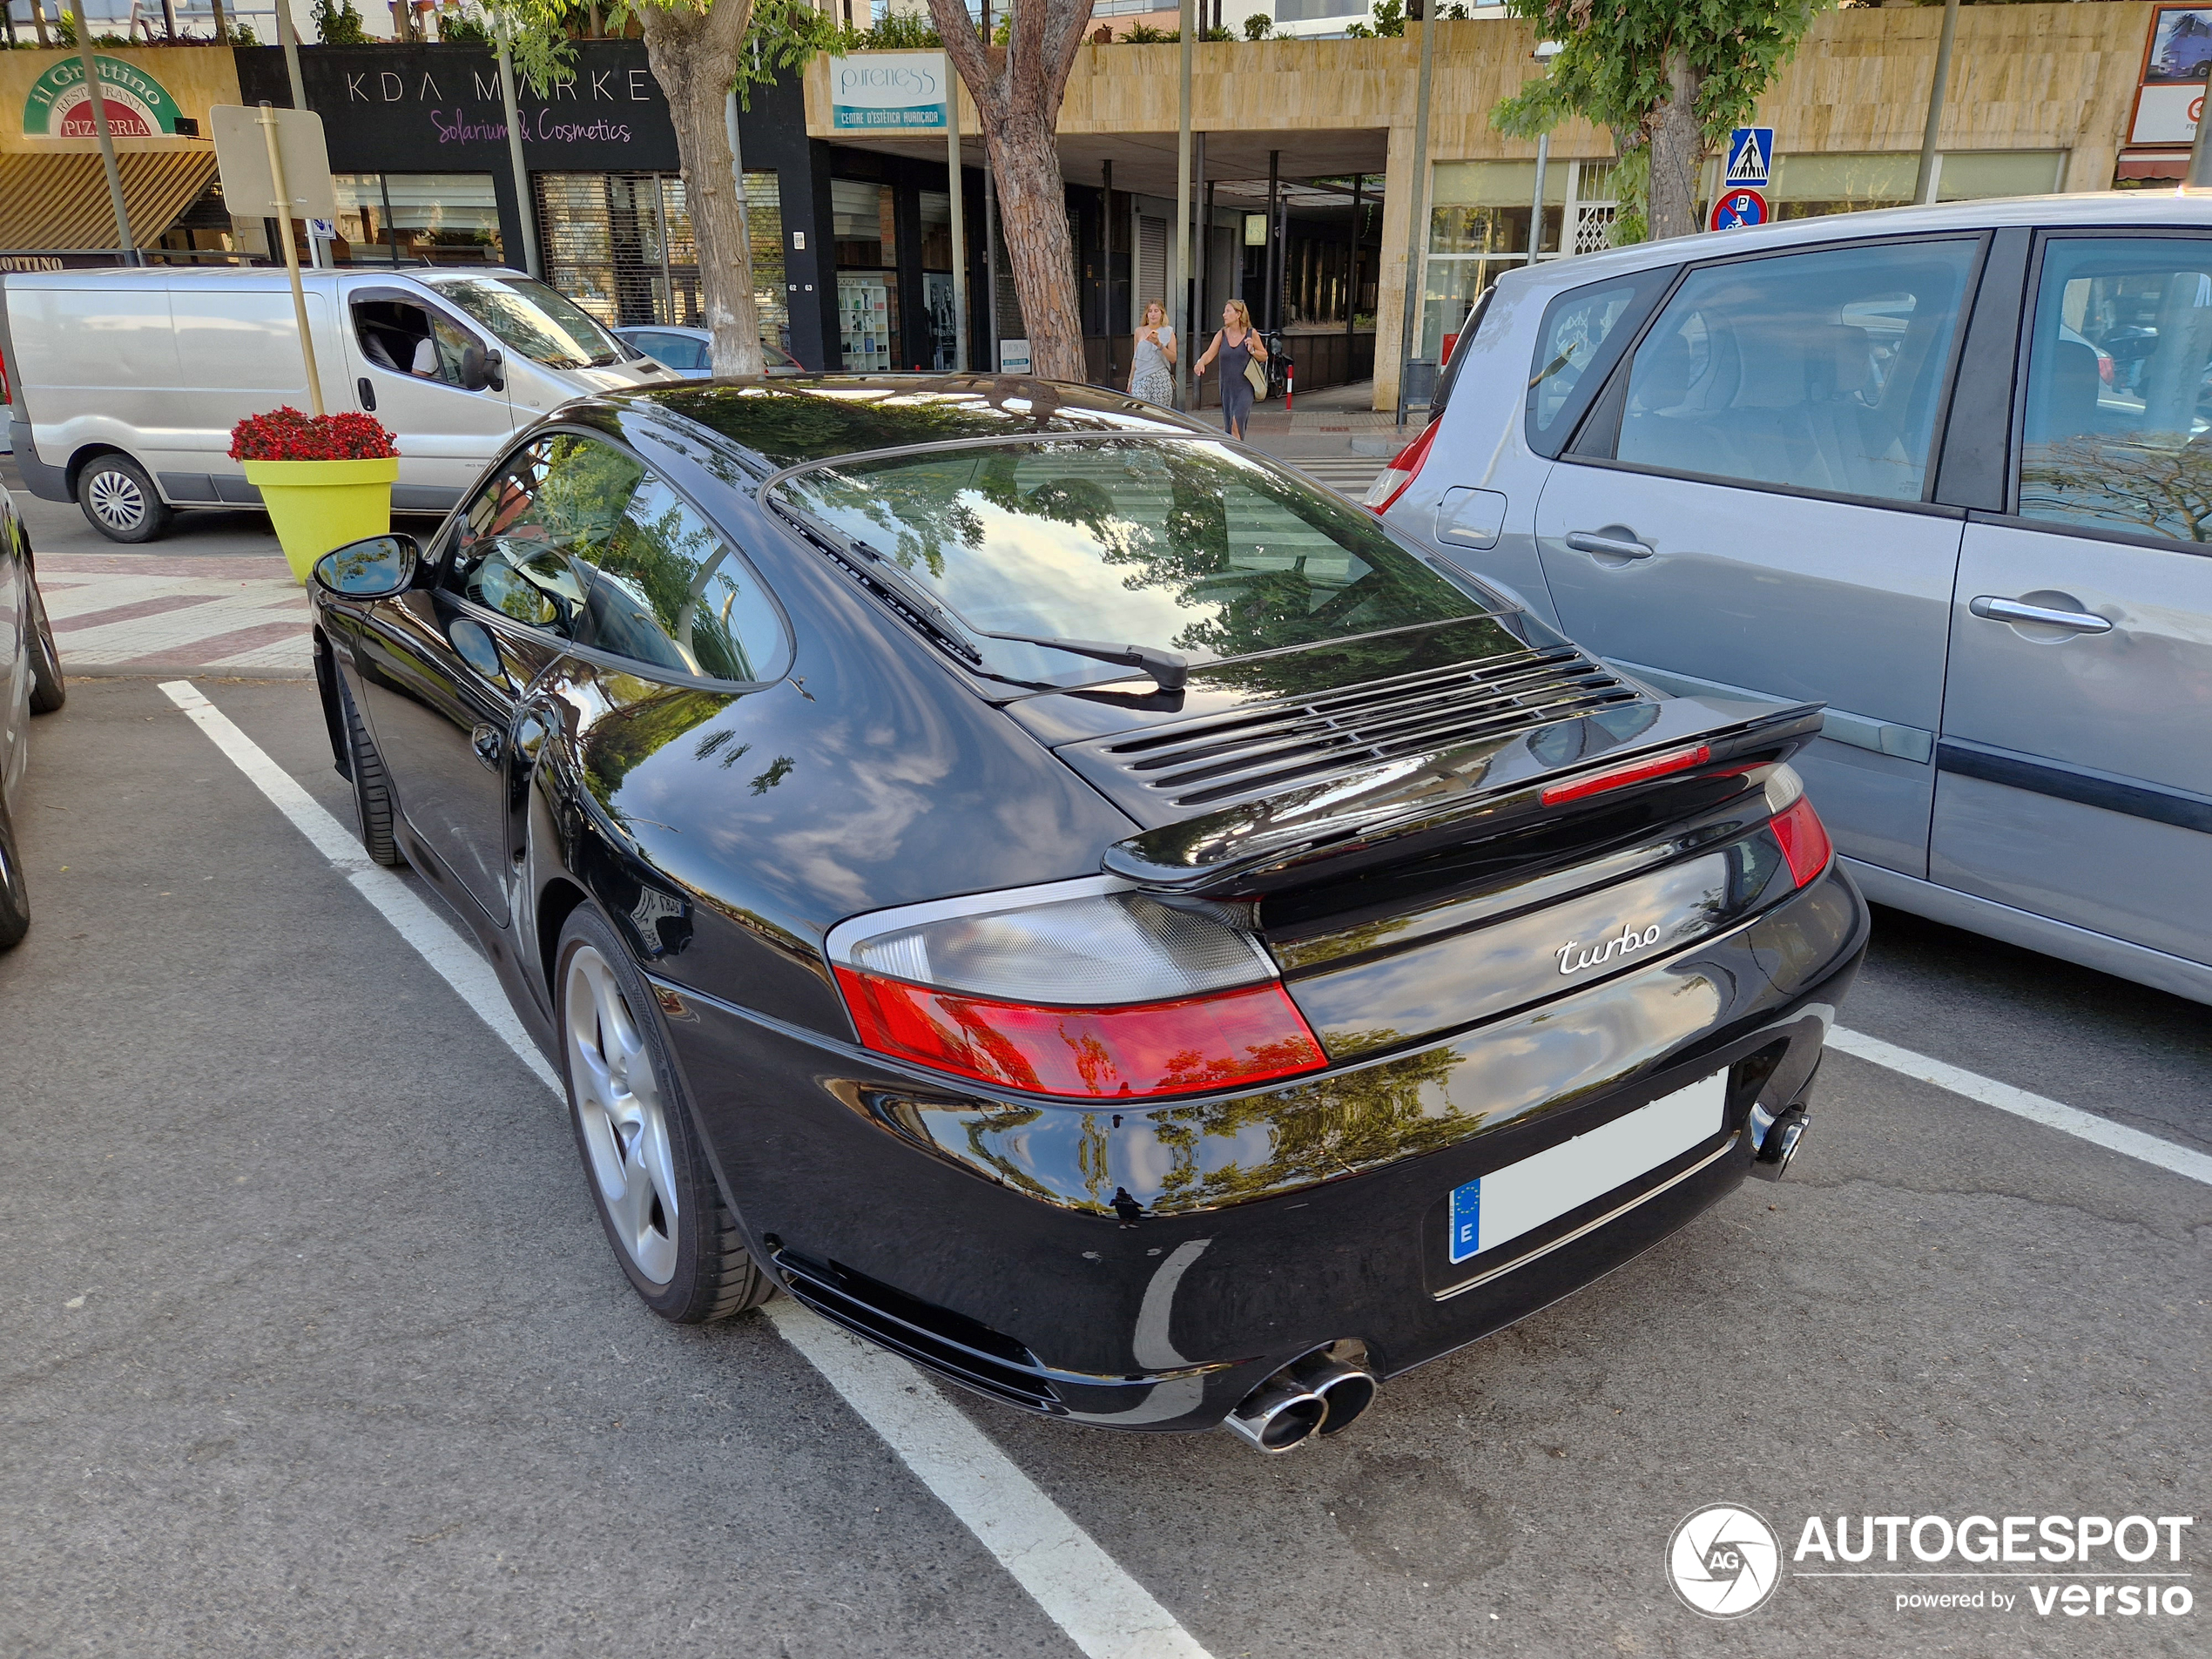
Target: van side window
{"points": [[577, 537], [403, 338], [1821, 370], [2118, 428]]}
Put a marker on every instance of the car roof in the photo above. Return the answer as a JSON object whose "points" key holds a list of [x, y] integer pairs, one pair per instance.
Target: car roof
{"points": [[792, 419], [2085, 209]]}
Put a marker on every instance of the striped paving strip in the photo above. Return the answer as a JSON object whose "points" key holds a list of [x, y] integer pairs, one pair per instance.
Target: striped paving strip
{"points": [[1347, 474], [127, 612]]}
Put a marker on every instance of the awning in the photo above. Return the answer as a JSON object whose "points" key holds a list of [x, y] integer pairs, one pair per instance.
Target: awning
{"points": [[61, 201], [2153, 163]]}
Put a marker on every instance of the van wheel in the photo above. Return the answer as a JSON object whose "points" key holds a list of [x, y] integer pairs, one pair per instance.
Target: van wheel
{"points": [[120, 500]]}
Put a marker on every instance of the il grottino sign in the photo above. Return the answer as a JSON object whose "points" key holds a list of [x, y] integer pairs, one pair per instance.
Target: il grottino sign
{"points": [[889, 91], [59, 107]]}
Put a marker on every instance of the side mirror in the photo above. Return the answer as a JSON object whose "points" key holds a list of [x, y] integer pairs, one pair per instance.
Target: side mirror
{"points": [[376, 569], [476, 368], [496, 369]]}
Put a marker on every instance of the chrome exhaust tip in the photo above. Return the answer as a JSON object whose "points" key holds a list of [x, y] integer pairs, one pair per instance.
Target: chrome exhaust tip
{"points": [[1345, 1390], [1780, 1142], [1280, 1415]]}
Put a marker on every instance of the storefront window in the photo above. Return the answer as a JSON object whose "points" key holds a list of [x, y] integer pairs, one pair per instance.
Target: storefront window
{"points": [[1478, 228], [417, 218], [941, 316], [621, 246], [1810, 186], [861, 214], [867, 288]]}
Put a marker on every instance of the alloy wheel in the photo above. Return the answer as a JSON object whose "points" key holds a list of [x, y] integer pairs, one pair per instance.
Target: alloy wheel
{"points": [[623, 1119], [116, 499]]}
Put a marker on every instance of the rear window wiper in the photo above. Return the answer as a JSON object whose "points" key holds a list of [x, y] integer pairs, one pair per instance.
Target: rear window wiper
{"points": [[1168, 669]]}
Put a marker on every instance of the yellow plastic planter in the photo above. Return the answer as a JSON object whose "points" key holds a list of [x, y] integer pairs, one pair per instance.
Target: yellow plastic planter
{"points": [[317, 505]]}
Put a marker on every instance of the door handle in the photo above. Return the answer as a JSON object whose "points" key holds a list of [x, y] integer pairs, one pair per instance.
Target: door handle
{"points": [[1616, 547], [1992, 609], [485, 740], [369, 394]]}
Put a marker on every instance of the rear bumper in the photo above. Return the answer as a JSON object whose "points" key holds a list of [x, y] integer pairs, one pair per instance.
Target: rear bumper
{"points": [[1146, 1268]]}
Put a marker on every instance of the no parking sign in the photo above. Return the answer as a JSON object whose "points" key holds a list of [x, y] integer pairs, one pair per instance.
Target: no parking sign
{"points": [[1738, 208]]}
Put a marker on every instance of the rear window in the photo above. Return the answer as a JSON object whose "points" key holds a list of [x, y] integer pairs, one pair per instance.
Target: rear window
{"points": [[1578, 341], [1189, 545]]}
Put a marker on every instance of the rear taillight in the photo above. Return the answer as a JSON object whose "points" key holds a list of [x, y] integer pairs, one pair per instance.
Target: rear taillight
{"points": [[1635, 771], [1805, 846], [1390, 483], [1073, 990]]}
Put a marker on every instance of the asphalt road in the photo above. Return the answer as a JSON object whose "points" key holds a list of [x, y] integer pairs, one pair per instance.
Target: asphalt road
{"points": [[310, 1343]]}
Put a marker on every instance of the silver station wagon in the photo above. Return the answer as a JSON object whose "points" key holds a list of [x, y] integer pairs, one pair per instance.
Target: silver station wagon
{"points": [[1947, 471]]}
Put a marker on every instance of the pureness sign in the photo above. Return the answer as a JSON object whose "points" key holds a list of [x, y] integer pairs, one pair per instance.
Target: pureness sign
{"points": [[889, 91]]}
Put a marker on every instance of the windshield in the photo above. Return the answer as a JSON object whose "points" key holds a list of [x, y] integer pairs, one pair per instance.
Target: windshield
{"points": [[1188, 545], [526, 316]]}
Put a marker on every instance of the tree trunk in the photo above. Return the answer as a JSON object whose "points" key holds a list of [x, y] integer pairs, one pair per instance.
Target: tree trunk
{"points": [[1677, 141], [694, 56], [1017, 94]]}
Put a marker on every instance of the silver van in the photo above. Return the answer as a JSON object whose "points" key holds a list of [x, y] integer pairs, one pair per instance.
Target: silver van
{"points": [[128, 381], [1947, 470]]}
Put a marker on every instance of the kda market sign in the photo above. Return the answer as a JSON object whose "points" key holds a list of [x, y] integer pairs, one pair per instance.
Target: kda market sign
{"points": [[889, 91], [59, 105]]}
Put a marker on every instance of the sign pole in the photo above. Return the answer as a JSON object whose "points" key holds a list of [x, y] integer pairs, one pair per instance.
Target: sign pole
{"points": [[283, 204], [1924, 187], [524, 211], [1417, 226], [287, 29], [107, 139], [961, 362], [1178, 283]]}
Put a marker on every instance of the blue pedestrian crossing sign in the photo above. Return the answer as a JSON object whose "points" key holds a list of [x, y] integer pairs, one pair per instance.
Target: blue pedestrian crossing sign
{"points": [[1737, 209], [1751, 157]]}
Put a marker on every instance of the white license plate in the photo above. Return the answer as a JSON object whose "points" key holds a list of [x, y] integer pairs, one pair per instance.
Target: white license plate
{"points": [[1505, 1204]]}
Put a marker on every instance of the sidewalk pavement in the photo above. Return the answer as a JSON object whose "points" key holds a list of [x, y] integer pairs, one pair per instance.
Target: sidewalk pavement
{"points": [[214, 596]]}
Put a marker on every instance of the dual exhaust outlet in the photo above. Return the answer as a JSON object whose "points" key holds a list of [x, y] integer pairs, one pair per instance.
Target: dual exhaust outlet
{"points": [[1323, 1393], [1320, 1394]]}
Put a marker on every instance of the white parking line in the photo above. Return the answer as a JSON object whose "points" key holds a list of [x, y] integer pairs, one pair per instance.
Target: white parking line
{"points": [[2037, 1108], [1081, 1588]]}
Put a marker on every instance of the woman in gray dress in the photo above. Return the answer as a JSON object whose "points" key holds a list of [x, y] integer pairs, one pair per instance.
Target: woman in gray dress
{"points": [[1237, 344], [1152, 376]]}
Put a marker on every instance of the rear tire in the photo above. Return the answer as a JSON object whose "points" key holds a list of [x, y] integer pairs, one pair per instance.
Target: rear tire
{"points": [[372, 785], [15, 898], [47, 690], [119, 500], [657, 1199]]}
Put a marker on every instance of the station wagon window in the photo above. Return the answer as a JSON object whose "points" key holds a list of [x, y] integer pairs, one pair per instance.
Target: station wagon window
{"points": [[1821, 370], [2117, 431], [579, 538], [1577, 343]]}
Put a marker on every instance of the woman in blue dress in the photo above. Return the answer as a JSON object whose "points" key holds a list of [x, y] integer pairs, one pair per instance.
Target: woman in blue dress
{"points": [[1236, 344]]}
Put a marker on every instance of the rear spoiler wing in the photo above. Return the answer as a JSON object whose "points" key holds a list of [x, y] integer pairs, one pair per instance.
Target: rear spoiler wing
{"points": [[1401, 809]]}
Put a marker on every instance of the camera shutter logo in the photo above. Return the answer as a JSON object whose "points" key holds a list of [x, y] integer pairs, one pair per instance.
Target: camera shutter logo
{"points": [[1724, 1562]]}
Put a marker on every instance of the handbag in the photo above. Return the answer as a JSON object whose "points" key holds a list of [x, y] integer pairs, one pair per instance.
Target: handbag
{"points": [[1256, 377]]}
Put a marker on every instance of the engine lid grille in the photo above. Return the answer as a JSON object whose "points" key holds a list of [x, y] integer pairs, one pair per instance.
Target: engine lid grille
{"points": [[1201, 765]]}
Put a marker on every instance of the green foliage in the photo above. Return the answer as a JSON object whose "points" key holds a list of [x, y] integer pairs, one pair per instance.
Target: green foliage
{"points": [[463, 29], [1612, 71], [781, 34], [338, 24], [1218, 31], [912, 32], [1144, 34], [1389, 24], [1259, 26]]}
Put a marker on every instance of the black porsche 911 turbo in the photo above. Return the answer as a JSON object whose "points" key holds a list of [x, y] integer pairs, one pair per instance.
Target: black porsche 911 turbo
{"points": [[1068, 898]]}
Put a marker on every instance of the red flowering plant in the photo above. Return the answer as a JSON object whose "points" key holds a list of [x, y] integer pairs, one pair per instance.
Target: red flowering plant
{"points": [[288, 434]]}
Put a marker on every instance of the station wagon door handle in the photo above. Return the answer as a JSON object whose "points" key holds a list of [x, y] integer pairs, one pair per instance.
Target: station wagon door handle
{"points": [[1996, 610], [486, 741], [1611, 546]]}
